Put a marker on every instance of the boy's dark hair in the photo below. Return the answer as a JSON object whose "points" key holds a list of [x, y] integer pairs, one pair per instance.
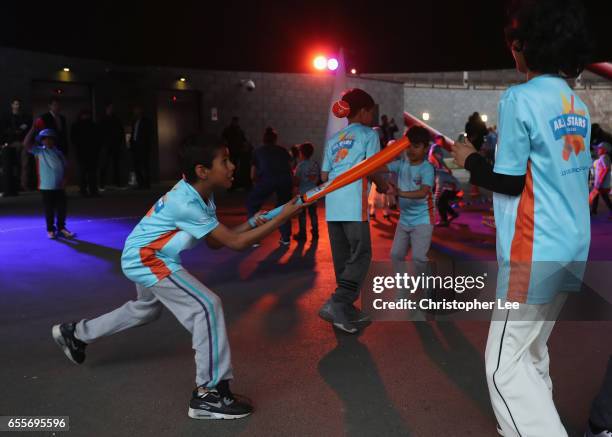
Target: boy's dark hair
{"points": [[418, 134], [16, 99], [357, 99], [200, 150], [270, 136], [552, 34], [307, 150]]}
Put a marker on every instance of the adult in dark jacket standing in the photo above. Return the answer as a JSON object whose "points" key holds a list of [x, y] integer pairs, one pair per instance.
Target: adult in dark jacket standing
{"points": [[112, 136], [15, 126], [476, 130], [141, 143], [56, 121], [271, 174], [86, 140]]}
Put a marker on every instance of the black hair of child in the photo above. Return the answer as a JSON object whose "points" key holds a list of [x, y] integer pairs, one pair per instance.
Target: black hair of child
{"points": [[552, 34], [418, 135], [307, 149], [357, 99], [200, 151]]}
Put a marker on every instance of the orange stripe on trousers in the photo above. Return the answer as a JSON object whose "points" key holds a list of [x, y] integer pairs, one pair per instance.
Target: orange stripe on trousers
{"points": [[521, 251]]}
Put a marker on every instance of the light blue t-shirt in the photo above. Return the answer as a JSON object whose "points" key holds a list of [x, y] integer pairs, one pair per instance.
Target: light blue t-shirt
{"points": [[544, 133], [177, 221], [412, 178], [50, 167], [343, 150], [308, 172]]}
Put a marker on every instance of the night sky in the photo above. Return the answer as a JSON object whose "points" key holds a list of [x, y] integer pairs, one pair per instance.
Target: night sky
{"points": [[378, 36]]}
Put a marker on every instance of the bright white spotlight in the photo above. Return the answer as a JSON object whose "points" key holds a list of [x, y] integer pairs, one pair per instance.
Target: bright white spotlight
{"points": [[320, 62], [425, 116], [332, 64], [484, 117]]}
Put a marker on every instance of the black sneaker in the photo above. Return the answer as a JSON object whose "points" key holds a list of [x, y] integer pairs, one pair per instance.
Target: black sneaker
{"points": [[355, 315], [218, 403], [74, 348], [326, 312], [341, 319]]}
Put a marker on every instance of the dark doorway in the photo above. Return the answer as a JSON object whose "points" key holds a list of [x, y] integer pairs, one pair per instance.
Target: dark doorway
{"points": [[178, 117], [73, 98]]}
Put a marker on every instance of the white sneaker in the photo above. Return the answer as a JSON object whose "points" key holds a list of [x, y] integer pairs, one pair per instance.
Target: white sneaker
{"points": [[66, 233]]}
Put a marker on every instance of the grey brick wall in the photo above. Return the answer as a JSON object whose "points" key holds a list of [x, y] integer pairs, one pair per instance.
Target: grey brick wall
{"points": [[296, 105], [449, 109]]}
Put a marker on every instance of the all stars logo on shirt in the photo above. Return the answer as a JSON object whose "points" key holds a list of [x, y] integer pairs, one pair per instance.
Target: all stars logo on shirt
{"points": [[340, 150], [572, 125]]}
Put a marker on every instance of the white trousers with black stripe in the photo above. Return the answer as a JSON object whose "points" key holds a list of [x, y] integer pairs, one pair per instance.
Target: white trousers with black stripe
{"points": [[197, 308], [517, 363]]}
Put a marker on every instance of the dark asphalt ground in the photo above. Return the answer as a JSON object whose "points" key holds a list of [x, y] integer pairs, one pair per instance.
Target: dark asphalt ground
{"points": [[396, 378]]}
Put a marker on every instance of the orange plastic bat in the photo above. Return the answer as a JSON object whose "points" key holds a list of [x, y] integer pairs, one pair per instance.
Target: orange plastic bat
{"points": [[358, 171]]}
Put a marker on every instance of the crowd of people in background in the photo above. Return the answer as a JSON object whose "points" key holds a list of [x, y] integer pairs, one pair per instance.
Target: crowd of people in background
{"points": [[101, 150], [99, 147]]}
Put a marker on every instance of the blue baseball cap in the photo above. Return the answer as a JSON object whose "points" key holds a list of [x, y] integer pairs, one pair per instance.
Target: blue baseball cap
{"points": [[45, 133]]}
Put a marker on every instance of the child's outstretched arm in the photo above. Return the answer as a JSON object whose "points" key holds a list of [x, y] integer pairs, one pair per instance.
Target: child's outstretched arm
{"points": [[240, 239]]}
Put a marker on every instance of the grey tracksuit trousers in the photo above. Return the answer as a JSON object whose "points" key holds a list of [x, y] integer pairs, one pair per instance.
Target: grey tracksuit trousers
{"points": [[197, 308]]}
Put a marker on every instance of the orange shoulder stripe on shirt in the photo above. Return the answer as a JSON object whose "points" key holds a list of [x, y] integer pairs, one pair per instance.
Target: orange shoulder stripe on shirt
{"points": [[149, 259], [521, 250]]}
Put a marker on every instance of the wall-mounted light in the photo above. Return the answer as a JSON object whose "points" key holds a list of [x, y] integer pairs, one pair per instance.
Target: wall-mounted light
{"points": [[183, 79], [66, 69], [484, 117], [353, 71], [425, 116]]}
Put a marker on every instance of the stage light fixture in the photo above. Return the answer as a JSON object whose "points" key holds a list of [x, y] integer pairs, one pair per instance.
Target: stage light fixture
{"points": [[332, 64], [425, 116], [320, 62]]}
